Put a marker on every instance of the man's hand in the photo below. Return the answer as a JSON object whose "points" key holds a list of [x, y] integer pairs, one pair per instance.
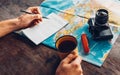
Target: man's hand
{"points": [[70, 66], [24, 21], [28, 20]]}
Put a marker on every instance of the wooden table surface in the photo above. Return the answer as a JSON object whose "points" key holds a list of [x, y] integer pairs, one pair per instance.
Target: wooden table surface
{"points": [[21, 57]]}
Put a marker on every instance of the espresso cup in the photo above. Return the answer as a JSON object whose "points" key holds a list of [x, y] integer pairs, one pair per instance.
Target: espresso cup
{"points": [[65, 45]]}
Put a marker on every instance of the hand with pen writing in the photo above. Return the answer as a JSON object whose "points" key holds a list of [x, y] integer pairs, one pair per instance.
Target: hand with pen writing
{"points": [[24, 21], [28, 20]]}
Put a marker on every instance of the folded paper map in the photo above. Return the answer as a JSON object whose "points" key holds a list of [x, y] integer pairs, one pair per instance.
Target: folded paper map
{"points": [[77, 13]]}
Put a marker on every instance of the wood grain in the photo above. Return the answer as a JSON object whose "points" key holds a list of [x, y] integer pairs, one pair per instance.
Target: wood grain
{"points": [[19, 57]]}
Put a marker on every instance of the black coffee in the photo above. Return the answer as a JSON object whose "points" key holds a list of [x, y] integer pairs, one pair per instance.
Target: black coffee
{"points": [[67, 46]]}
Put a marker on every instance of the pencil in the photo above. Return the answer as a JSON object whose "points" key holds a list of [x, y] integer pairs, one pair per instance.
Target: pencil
{"points": [[31, 13]]}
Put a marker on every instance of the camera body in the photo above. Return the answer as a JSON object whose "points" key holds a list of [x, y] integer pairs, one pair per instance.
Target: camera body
{"points": [[99, 26]]}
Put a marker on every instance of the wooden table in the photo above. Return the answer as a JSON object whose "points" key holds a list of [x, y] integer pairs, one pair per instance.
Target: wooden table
{"points": [[20, 57]]}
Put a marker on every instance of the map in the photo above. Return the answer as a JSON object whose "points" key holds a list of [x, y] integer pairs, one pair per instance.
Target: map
{"points": [[77, 13]]}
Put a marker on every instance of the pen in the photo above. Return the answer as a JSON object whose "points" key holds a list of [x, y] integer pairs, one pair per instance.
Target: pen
{"points": [[31, 13]]}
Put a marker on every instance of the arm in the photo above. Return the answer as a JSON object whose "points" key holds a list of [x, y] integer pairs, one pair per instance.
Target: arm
{"points": [[23, 21], [71, 65], [8, 26]]}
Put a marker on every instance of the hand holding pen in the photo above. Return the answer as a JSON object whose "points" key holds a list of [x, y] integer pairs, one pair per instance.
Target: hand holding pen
{"points": [[31, 17], [35, 10]]}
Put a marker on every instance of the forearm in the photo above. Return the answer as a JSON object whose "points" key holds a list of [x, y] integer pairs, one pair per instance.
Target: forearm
{"points": [[8, 26], [23, 21]]}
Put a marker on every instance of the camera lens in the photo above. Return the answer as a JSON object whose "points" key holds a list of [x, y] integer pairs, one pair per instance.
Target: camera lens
{"points": [[101, 17]]}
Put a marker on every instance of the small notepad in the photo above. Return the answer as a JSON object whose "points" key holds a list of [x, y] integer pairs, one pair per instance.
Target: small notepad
{"points": [[45, 29]]}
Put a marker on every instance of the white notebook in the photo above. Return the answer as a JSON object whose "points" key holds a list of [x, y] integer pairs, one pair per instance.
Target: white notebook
{"points": [[45, 29]]}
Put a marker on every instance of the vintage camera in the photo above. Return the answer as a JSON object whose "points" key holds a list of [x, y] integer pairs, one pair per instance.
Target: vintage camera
{"points": [[99, 26]]}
